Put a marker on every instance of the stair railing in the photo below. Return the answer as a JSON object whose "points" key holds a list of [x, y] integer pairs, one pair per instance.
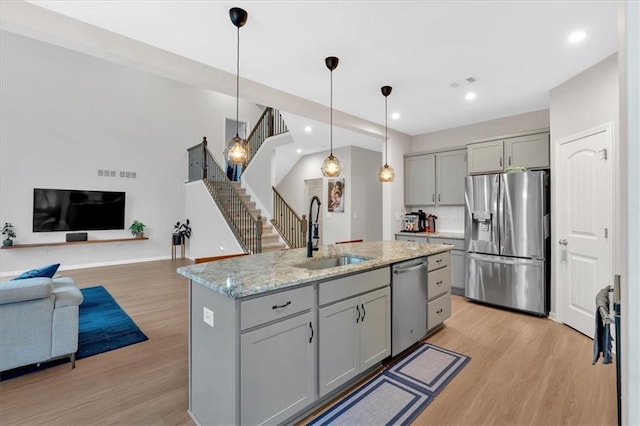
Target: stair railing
{"points": [[269, 124], [246, 227], [291, 227]]}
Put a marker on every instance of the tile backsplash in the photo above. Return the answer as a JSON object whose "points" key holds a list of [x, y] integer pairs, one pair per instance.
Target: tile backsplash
{"points": [[450, 218]]}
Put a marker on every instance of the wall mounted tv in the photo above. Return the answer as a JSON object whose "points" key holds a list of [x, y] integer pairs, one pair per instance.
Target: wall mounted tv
{"points": [[77, 210]]}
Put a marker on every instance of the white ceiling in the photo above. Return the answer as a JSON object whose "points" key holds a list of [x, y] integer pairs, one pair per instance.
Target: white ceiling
{"points": [[517, 50]]}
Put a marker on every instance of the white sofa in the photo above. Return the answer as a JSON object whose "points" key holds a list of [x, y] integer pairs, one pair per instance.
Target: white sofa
{"points": [[38, 321]]}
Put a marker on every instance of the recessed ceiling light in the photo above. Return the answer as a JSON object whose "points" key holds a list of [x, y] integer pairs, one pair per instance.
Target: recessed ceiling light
{"points": [[470, 96], [395, 115], [308, 129], [577, 36], [298, 150]]}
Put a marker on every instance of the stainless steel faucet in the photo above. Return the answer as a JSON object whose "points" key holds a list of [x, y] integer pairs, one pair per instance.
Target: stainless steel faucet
{"points": [[313, 227]]}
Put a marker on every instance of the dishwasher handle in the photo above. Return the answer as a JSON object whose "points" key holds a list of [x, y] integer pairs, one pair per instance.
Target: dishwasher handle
{"points": [[421, 265]]}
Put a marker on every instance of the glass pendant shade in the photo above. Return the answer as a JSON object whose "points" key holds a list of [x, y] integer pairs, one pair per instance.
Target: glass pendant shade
{"points": [[238, 152], [331, 166], [385, 174]]}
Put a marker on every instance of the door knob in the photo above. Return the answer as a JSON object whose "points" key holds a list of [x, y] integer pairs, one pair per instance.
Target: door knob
{"points": [[562, 242]]}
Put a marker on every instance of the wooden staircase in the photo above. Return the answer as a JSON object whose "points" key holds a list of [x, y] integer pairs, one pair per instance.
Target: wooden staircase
{"points": [[270, 239]]}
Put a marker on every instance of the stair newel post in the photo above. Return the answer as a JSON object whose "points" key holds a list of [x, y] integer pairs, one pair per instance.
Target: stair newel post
{"points": [[259, 235], [204, 158], [303, 229]]}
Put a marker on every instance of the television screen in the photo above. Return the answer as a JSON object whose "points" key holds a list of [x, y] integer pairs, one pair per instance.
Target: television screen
{"points": [[77, 210]]}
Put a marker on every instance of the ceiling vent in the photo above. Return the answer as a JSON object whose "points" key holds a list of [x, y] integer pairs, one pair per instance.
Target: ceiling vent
{"points": [[463, 82]]}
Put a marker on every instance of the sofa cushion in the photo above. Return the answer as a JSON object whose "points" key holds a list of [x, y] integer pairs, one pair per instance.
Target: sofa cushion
{"points": [[47, 271], [27, 289]]}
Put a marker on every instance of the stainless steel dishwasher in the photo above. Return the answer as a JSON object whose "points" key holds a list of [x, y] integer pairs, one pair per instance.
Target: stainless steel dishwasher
{"points": [[408, 303]]}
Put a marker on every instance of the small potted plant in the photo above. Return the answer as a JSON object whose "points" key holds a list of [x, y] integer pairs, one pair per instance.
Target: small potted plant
{"points": [[7, 230], [137, 229], [180, 232]]}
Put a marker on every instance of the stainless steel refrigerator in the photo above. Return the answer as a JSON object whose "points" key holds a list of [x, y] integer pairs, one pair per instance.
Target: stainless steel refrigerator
{"points": [[507, 240]]}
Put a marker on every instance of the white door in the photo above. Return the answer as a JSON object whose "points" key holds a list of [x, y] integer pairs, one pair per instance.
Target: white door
{"points": [[584, 194], [314, 187]]}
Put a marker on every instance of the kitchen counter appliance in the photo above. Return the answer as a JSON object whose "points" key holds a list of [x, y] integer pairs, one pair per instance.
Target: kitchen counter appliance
{"points": [[507, 240], [415, 222], [408, 303]]}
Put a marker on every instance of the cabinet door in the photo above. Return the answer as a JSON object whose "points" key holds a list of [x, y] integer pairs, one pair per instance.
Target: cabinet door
{"points": [[457, 272], [420, 180], [451, 170], [339, 344], [530, 151], [485, 157], [412, 237], [277, 370], [375, 327]]}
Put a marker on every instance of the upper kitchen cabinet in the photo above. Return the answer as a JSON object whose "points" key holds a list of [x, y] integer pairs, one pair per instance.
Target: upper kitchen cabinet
{"points": [[530, 151], [420, 180], [435, 179]]}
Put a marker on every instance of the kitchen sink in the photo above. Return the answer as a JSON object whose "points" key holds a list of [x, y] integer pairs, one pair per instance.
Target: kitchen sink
{"points": [[332, 262]]}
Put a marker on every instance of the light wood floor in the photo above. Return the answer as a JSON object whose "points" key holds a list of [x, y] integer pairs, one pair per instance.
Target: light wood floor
{"points": [[524, 370]]}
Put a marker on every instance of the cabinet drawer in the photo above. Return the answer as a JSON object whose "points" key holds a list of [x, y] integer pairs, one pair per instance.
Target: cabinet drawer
{"points": [[439, 282], [438, 260], [274, 306], [457, 244], [341, 288], [438, 310], [419, 238]]}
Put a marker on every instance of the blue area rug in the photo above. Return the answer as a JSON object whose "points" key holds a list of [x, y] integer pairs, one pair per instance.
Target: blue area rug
{"points": [[103, 327], [400, 393]]}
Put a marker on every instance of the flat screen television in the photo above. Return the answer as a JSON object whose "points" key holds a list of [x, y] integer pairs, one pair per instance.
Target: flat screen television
{"points": [[77, 210]]}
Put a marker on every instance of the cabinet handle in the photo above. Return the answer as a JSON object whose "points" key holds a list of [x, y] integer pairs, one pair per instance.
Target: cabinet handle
{"points": [[438, 197], [358, 309], [363, 312], [509, 160], [311, 327], [439, 283], [433, 197], [439, 311], [439, 261], [500, 161], [281, 306]]}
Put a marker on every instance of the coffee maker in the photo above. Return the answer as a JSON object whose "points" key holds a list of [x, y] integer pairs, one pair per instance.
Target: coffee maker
{"points": [[415, 221]]}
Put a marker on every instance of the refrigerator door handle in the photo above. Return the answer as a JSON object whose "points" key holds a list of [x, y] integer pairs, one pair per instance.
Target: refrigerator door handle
{"points": [[502, 259]]}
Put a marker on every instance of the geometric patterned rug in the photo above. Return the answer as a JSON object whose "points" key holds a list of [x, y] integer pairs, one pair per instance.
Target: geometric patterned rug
{"points": [[400, 393]]}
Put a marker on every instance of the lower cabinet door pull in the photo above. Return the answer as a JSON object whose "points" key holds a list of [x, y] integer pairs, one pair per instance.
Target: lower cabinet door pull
{"points": [[311, 327], [281, 306], [363, 312], [358, 309]]}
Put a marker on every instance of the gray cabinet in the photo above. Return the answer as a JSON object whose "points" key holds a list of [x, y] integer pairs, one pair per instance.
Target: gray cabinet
{"points": [[354, 324], [277, 370], [413, 237], [451, 168], [435, 179], [420, 180], [457, 262], [438, 290], [530, 151]]}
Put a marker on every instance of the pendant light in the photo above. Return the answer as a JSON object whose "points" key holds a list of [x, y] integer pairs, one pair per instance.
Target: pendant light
{"points": [[385, 174], [331, 166], [238, 152]]}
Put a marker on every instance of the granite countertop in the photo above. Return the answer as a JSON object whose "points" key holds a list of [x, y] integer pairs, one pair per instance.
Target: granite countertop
{"points": [[260, 273], [446, 234]]}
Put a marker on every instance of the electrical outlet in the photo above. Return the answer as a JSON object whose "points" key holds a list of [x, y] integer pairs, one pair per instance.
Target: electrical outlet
{"points": [[208, 316]]}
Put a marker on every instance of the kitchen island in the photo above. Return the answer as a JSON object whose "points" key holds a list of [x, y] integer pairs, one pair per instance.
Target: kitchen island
{"points": [[274, 334]]}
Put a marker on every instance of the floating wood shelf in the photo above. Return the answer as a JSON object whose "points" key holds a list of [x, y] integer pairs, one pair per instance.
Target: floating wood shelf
{"points": [[114, 240]]}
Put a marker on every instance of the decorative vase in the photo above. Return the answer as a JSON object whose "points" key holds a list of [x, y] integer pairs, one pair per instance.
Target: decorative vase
{"points": [[7, 242], [177, 239]]}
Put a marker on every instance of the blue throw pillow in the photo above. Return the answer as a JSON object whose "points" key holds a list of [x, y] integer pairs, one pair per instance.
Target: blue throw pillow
{"points": [[45, 271]]}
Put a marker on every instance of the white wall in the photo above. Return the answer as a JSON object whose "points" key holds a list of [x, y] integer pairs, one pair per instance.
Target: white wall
{"points": [[360, 178], [583, 102], [211, 235], [65, 114], [460, 136]]}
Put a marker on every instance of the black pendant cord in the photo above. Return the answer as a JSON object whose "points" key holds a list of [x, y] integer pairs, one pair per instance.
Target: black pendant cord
{"points": [[386, 153], [238, 84], [331, 114]]}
